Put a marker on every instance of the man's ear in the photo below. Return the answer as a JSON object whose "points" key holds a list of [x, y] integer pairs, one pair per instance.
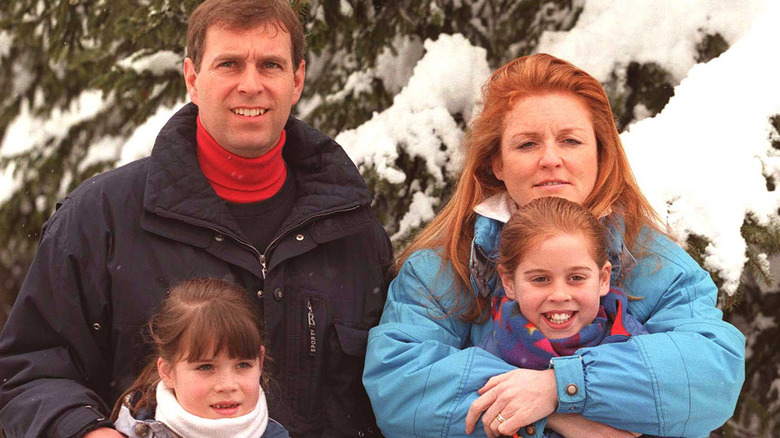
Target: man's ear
{"points": [[604, 276], [190, 75], [298, 78], [508, 281], [165, 370]]}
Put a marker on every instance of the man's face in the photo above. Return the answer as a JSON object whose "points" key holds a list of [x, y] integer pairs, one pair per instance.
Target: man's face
{"points": [[246, 86]]}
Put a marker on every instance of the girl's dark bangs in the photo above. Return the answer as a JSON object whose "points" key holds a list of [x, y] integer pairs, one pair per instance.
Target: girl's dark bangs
{"points": [[213, 331]]}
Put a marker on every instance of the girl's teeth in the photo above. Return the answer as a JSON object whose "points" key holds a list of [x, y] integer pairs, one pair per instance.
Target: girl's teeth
{"points": [[558, 318]]}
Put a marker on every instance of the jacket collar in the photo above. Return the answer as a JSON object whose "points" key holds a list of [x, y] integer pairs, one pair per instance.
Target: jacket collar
{"points": [[618, 253], [492, 214], [176, 188], [499, 207]]}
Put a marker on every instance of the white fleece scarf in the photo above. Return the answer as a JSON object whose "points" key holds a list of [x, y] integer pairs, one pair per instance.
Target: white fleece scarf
{"points": [[170, 412]]}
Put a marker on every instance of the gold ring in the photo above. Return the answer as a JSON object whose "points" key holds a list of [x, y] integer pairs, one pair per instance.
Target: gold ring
{"points": [[500, 418]]}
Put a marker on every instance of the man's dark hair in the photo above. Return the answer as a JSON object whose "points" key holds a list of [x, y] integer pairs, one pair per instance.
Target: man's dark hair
{"points": [[242, 15]]}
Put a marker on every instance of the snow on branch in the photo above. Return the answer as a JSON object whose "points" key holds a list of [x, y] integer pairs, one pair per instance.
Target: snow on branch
{"points": [[703, 162]]}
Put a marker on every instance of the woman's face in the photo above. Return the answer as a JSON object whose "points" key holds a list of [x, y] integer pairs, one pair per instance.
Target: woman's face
{"points": [[548, 148]]}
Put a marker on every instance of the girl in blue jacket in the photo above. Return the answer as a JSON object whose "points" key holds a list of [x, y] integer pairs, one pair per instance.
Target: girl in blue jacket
{"points": [[546, 129], [555, 295], [204, 378]]}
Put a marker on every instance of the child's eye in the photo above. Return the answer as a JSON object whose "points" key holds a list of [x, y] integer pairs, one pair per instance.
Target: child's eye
{"points": [[205, 367], [539, 280], [577, 277], [245, 365]]}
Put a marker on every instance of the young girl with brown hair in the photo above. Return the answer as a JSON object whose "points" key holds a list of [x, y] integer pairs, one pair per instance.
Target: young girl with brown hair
{"points": [[204, 379], [556, 296]]}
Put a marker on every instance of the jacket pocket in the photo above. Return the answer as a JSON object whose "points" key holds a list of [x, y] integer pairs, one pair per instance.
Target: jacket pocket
{"points": [[353, 341], [347, 407]]}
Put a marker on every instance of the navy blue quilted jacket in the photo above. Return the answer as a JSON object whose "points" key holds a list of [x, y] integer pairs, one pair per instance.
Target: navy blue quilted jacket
{"points": [[73, 341]]}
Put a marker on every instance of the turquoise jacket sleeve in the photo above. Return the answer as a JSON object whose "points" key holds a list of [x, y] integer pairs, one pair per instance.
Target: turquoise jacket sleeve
{"points": [[682, 379], [421, 374]]}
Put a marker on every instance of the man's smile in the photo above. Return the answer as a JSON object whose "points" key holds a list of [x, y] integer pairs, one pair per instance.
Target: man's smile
{"points": [[249, 112]]}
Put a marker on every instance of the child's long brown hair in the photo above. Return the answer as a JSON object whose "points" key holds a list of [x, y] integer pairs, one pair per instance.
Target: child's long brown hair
{"points": [[200, 318]]}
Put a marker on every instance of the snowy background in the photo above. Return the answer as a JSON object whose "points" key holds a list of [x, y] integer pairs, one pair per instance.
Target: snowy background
{"points": [[702, 162], [706, 161]]}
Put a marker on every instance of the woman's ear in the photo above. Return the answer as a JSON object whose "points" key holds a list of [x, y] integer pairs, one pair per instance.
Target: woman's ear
{"points": [[508, 282], [262, 358], [498, 166], [165, 370], [604, 279]]}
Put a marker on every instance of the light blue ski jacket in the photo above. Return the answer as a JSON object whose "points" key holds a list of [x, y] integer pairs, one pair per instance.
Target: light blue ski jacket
{"points": [[422, 370]]}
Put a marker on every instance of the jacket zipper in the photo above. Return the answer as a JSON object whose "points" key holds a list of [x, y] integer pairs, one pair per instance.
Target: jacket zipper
{"points": [[264, 258], [312, 329], [246, 244]]}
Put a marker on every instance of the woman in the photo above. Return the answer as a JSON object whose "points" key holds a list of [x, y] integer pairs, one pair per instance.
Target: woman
{"points": [[546, 129]]}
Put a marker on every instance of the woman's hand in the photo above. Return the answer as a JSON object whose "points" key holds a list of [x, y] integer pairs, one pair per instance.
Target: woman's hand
{"points": [[521, 397], [576, 426]]}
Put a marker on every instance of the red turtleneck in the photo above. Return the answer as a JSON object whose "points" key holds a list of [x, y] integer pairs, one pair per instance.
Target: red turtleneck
{"points": [[239, 179]]}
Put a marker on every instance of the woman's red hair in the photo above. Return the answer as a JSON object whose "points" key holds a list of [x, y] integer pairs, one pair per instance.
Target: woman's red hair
{"points": [[615, 190]]}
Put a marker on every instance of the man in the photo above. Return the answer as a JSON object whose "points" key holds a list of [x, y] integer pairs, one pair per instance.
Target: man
{"points": [[235, 188]]}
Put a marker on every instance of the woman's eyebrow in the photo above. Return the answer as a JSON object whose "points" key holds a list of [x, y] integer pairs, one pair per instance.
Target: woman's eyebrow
{"points": [[572, 129], [523, 134]]}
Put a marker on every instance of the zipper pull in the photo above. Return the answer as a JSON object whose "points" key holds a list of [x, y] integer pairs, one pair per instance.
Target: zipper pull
{"points": [[312, 331], [262, 265]]}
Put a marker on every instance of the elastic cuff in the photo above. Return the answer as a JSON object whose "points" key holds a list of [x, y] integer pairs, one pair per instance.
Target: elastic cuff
{"points": [[535, 430], [570, 378], [78, 421]]}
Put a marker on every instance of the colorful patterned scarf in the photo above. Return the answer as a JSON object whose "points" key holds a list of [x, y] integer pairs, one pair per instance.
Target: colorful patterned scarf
{"points": [[520, 343]]}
